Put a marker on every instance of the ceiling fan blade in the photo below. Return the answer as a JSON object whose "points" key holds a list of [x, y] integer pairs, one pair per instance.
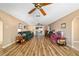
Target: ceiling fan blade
{"points": [[42, 11], [32, 10], [45, 4]]}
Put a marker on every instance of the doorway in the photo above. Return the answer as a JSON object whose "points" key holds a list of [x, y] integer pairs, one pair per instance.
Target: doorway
{"points": [[75, 33], [1, 33]]}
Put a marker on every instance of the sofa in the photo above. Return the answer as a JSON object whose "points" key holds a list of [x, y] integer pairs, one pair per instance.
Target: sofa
{"points": [[27, 35]]}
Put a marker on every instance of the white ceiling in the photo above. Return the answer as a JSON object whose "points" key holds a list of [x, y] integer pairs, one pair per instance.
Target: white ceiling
{"points": [[54, 11]]}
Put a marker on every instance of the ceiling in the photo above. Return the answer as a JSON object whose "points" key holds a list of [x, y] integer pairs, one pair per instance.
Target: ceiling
{"points": [[54, 11]]}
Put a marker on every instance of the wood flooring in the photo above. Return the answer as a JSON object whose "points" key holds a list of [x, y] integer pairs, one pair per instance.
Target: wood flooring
{"points": [[38, 47]]}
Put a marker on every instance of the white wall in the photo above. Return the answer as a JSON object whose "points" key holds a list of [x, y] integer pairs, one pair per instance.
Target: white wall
{"points": [[68, 30], [9, 28]]}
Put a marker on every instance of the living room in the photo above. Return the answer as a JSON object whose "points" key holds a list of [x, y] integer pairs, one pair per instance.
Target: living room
{"points": [[60, 18]]}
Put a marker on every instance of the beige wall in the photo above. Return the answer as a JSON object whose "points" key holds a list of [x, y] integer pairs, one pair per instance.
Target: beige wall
{"points": [[31, 28], [9, 27], [68, 30], [75, 32], [1, 32]]}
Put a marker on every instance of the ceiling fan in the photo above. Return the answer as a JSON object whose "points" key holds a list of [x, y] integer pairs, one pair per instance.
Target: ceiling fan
{"points": [[39, 6]]}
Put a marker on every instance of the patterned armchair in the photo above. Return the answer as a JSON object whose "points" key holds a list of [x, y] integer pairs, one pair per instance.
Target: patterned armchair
{"points": [[55, 36]]}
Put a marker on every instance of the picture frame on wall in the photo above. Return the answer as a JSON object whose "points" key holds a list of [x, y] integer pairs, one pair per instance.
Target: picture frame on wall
{"points": [[63, 25]]}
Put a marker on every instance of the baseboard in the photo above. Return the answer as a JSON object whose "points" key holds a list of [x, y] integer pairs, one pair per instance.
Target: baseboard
{"points": [[8, 44], [69, 45], [73, 47]]}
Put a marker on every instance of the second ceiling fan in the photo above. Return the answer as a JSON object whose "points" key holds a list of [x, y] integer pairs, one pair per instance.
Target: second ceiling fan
{"points": [[39, 6]]}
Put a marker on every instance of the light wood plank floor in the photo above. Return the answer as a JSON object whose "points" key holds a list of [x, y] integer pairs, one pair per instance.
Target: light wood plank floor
{"points": [[38, 47]]}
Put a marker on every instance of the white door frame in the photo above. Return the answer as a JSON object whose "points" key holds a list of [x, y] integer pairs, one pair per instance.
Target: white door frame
{"points": [[73, 40], [1, 32]]}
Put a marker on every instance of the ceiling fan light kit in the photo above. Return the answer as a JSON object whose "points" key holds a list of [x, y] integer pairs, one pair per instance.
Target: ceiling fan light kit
{"points": [[37, 15]]}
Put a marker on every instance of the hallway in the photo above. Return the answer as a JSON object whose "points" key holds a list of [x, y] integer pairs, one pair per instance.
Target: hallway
{"points": [[38, 47]]}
